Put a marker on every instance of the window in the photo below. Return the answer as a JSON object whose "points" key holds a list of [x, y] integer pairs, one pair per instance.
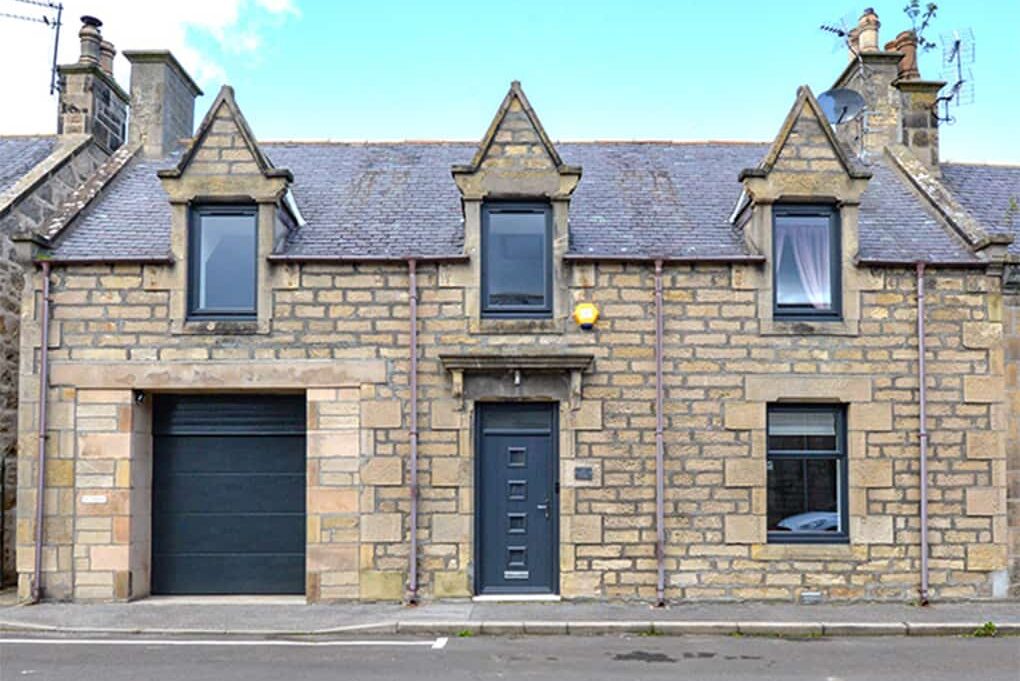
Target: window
{"points": [[516, 261], [807, 473], [222, 263], [806, 259]]}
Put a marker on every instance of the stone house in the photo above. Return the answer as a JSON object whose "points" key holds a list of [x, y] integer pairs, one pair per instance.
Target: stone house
{"points": [[38, 174], [372, 371]]}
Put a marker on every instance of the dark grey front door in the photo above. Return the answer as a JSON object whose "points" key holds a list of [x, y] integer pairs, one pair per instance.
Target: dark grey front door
{"points": [[517, 499], [228, 494]]}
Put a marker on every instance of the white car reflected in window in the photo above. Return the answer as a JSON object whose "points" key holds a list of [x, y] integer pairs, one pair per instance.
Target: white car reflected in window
{"points": [[814, 521]]}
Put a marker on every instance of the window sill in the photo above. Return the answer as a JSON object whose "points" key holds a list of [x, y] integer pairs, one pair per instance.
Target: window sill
{"points": [[219, 327], [516, 326], [796, 551], [834, 327]]}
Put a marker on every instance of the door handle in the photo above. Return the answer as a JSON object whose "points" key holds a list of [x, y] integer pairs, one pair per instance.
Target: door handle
{"points": [[544, 507]]}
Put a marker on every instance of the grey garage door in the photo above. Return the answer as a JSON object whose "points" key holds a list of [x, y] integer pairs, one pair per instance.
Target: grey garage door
{"points": [[228, 494]]}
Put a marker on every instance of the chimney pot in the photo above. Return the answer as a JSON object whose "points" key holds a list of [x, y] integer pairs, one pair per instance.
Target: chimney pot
{"points": [[906, 43], [107, 52], [867, 31], [91, 39]]}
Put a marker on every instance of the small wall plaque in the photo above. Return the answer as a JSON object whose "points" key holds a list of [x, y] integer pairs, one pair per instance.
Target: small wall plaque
{"points": [[93, 499], [584, 473]]}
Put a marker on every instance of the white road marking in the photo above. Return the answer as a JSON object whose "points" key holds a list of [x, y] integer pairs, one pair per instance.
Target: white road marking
{"points": [[437, 644]]}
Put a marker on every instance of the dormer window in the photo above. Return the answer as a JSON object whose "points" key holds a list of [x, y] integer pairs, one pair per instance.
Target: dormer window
{"points": [[806, 262], [222, 263], [516, 254]]}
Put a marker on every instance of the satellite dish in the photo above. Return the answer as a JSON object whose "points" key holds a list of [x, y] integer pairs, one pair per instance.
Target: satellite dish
{"points": [[841, 104]]}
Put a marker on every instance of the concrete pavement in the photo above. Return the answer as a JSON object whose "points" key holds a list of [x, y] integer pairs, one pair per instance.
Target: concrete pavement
{"points": [[286, 617], [564, 658]]}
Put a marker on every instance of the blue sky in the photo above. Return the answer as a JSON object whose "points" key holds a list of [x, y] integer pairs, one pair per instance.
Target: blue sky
{"points": [[593, 69]]}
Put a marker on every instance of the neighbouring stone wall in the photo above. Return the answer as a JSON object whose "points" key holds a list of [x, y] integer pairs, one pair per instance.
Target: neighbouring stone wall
{"points": [[1012, 343], [25, 207], [10, 302], [720, 375]]}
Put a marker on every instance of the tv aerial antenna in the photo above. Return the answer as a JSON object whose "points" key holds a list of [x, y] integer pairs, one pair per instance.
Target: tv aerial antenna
{"points": [[958, 53], [842, 104], [46, 13], [840, 31]]}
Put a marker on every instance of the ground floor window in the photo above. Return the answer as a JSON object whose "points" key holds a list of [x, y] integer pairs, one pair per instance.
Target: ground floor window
{"points": [[807, 473]]}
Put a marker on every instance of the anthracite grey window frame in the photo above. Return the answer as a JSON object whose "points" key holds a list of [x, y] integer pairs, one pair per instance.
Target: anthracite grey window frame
{"points": [[842, 466], [543, 311], [195, 217], [807, 312]]}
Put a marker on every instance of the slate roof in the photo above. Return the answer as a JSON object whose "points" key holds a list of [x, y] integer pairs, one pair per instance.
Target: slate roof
{"points": [[130, 219], [897, 225], [661, 199], [990, 193], [19, 154]]}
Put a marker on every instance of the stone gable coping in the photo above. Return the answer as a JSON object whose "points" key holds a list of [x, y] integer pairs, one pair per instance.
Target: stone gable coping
{"points": [[941, 200], [82, 197]]}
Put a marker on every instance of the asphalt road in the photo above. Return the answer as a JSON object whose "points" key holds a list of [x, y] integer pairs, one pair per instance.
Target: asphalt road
{"points": [[572, 658]]}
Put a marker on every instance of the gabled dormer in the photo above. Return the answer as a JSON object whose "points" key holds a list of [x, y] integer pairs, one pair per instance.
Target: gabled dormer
{"points": [[516, 157], [230, 212], [799, 208], [516, 194]]}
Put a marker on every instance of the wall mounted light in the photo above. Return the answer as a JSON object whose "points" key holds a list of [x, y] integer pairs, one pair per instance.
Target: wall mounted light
{"points": [[586, 314]]}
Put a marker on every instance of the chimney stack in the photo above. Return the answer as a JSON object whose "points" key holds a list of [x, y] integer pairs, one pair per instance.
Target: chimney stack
{"points": [[91, 102], [901, 106], [162, 101]]}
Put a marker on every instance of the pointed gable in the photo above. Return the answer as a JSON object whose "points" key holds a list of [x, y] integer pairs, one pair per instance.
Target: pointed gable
{"points": [[516, 156], [806, 143], [224, 145]]}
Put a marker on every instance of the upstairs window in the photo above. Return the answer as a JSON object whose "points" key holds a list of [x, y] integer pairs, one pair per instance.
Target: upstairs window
{"points": [[807, 474], [516, 260], [222, 262], [806, 262]]}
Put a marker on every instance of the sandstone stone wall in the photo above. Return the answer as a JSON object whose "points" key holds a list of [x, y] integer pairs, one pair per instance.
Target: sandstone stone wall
{"points": [[113, 324], [1012, 345]]}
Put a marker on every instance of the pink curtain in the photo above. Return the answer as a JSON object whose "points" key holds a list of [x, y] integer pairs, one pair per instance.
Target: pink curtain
{"points": [[811, 255]]}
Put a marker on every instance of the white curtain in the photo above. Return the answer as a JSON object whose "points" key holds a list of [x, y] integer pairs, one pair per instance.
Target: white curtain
{"points": [[809, 244]]}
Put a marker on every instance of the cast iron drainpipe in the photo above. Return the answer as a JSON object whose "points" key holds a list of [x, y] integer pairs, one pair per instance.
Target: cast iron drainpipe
{"points": [[660, 473], [40, 487], [923, 431], [412, 293]]}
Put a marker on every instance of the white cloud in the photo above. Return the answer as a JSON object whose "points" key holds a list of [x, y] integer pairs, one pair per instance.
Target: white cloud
{"points": [[279, 6], [232, 25]]}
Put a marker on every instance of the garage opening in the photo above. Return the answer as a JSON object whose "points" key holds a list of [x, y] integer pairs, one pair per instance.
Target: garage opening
{"points": [[228, 494]]}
